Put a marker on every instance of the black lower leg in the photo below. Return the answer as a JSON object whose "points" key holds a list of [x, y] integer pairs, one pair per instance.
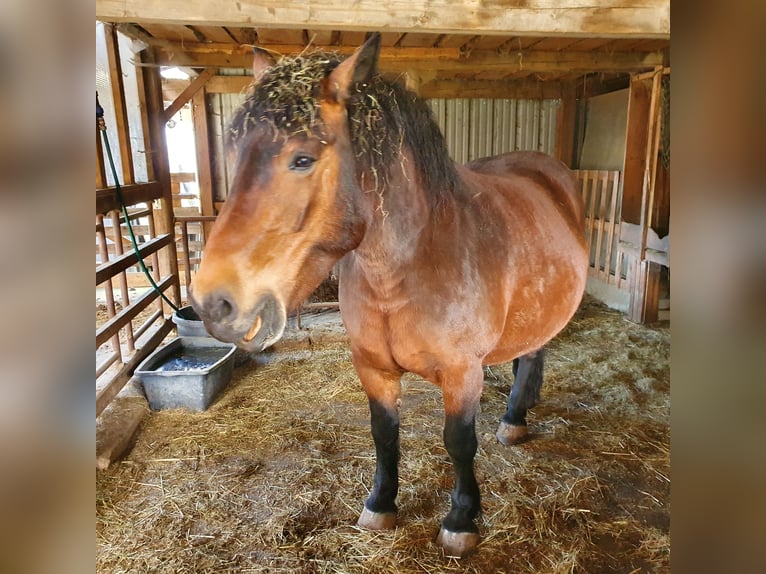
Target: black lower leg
{"points": [[460, 440], [525, 392], [385, 432]]}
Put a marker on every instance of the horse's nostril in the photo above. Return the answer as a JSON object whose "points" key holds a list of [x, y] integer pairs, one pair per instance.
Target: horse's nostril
{"points": [[219, 307]]}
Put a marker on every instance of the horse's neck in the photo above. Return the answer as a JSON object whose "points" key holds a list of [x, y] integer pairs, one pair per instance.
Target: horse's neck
{"points": [[396, 219]]}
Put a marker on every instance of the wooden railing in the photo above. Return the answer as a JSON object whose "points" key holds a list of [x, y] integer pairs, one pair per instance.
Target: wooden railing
{"points": [[190, 241], [135, 326], [601, 192]]}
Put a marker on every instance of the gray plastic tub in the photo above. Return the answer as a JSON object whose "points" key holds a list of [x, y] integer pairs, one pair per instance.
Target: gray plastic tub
{"points": [[188, 323], [187, 373]]}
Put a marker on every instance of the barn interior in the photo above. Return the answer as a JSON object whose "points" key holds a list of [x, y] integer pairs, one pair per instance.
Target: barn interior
{"points": [[588, 84]]}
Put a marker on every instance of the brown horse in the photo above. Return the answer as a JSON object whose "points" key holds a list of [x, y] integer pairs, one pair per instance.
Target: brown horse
{"points": [[445, 268]]}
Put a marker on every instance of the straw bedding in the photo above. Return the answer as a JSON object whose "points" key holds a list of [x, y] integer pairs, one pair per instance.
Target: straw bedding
{"points": [[272, 477]]}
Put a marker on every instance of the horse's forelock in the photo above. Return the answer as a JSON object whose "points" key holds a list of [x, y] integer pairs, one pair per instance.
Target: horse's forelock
{"points": [[383, 117]]}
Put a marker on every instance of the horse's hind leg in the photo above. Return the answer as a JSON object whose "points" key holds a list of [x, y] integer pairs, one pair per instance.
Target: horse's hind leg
{"points": [[528, 379]]}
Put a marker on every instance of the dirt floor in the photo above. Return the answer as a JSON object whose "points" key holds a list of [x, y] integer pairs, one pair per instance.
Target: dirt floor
{"points": [[273, 476]]}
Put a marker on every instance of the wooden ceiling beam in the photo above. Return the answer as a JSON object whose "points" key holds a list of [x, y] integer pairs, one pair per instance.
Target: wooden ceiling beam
{"points": [[434, 88], [441, 59], [598, 18], [514, 89]]}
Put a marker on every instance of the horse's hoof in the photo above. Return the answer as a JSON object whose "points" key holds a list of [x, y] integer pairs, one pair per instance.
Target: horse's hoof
{"points": [[376, 520], [457, 544], [511, 434]]}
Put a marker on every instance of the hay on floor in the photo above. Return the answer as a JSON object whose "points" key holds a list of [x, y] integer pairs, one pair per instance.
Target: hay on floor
{"points": [[272, 477]]}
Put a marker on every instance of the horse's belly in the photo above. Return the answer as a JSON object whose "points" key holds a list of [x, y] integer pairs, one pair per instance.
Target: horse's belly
{"points": [[534, 318]]}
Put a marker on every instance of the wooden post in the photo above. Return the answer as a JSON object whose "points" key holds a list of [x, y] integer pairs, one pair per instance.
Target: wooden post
{"points": [[158, 154], [565, 120], [638, 192], [644, 291], [118, 98], [636, 141], [202, 145]]}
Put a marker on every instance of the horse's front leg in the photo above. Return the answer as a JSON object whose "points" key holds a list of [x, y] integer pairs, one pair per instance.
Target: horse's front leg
{"points": [[383, 389], [462, 390]]}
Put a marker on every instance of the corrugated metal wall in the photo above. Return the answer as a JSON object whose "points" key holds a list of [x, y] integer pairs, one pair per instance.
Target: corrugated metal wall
{"points": [[473, 128], [481, 127]]}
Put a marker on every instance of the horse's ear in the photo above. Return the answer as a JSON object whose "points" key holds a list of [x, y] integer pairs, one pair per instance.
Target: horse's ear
{"points": [[358, 67], [262, 61]]}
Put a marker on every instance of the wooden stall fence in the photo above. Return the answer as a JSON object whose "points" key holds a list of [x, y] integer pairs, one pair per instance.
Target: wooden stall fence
{"points": [[601, 191], [135, 325]]}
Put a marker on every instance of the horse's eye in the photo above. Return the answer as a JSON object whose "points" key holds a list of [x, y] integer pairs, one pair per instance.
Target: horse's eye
{"points": [[302, 163]]}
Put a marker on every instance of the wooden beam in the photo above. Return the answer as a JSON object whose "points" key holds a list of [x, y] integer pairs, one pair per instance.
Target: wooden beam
{"points": [[565, 136], [188, 92], [202, 146], [600, 18], [157, 148], [520, 89], [118, 99], [528, 89], [113, 325], [110, 269], [401, 60], [636, 140], [106, 199]]}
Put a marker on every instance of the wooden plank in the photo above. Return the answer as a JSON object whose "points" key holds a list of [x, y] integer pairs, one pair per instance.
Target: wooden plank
{"points": [[413, 40], [120, 320], [650, 164], [512, 89], [170, 31], [119, 249], [320, 37], [147, 324], [195, 86], [106, 199], [170, 52], [607, 18], [108, 270], [108, 391], [185, 253], [118, 100], [196, 218], [603, 176], [635, 151], [280, 36], [204, 160], [100, 163], [215, 33], [456, 40], [554, 43], [644, 300], [613, 217], [163, 218], [565, 121], [446, 60], [108, 288]]}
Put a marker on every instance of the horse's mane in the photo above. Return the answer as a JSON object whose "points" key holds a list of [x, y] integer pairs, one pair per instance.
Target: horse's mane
{"points": [[383, 117]]}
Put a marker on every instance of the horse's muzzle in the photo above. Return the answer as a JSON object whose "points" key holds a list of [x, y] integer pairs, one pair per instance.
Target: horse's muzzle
{"points": [[253, 330]]}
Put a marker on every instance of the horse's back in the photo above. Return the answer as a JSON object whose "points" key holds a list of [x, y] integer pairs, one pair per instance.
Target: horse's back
{"points": [[552, 173]]}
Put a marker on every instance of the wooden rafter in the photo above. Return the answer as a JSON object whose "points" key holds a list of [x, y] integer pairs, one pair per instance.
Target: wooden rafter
{"points": [[187, 94]]}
